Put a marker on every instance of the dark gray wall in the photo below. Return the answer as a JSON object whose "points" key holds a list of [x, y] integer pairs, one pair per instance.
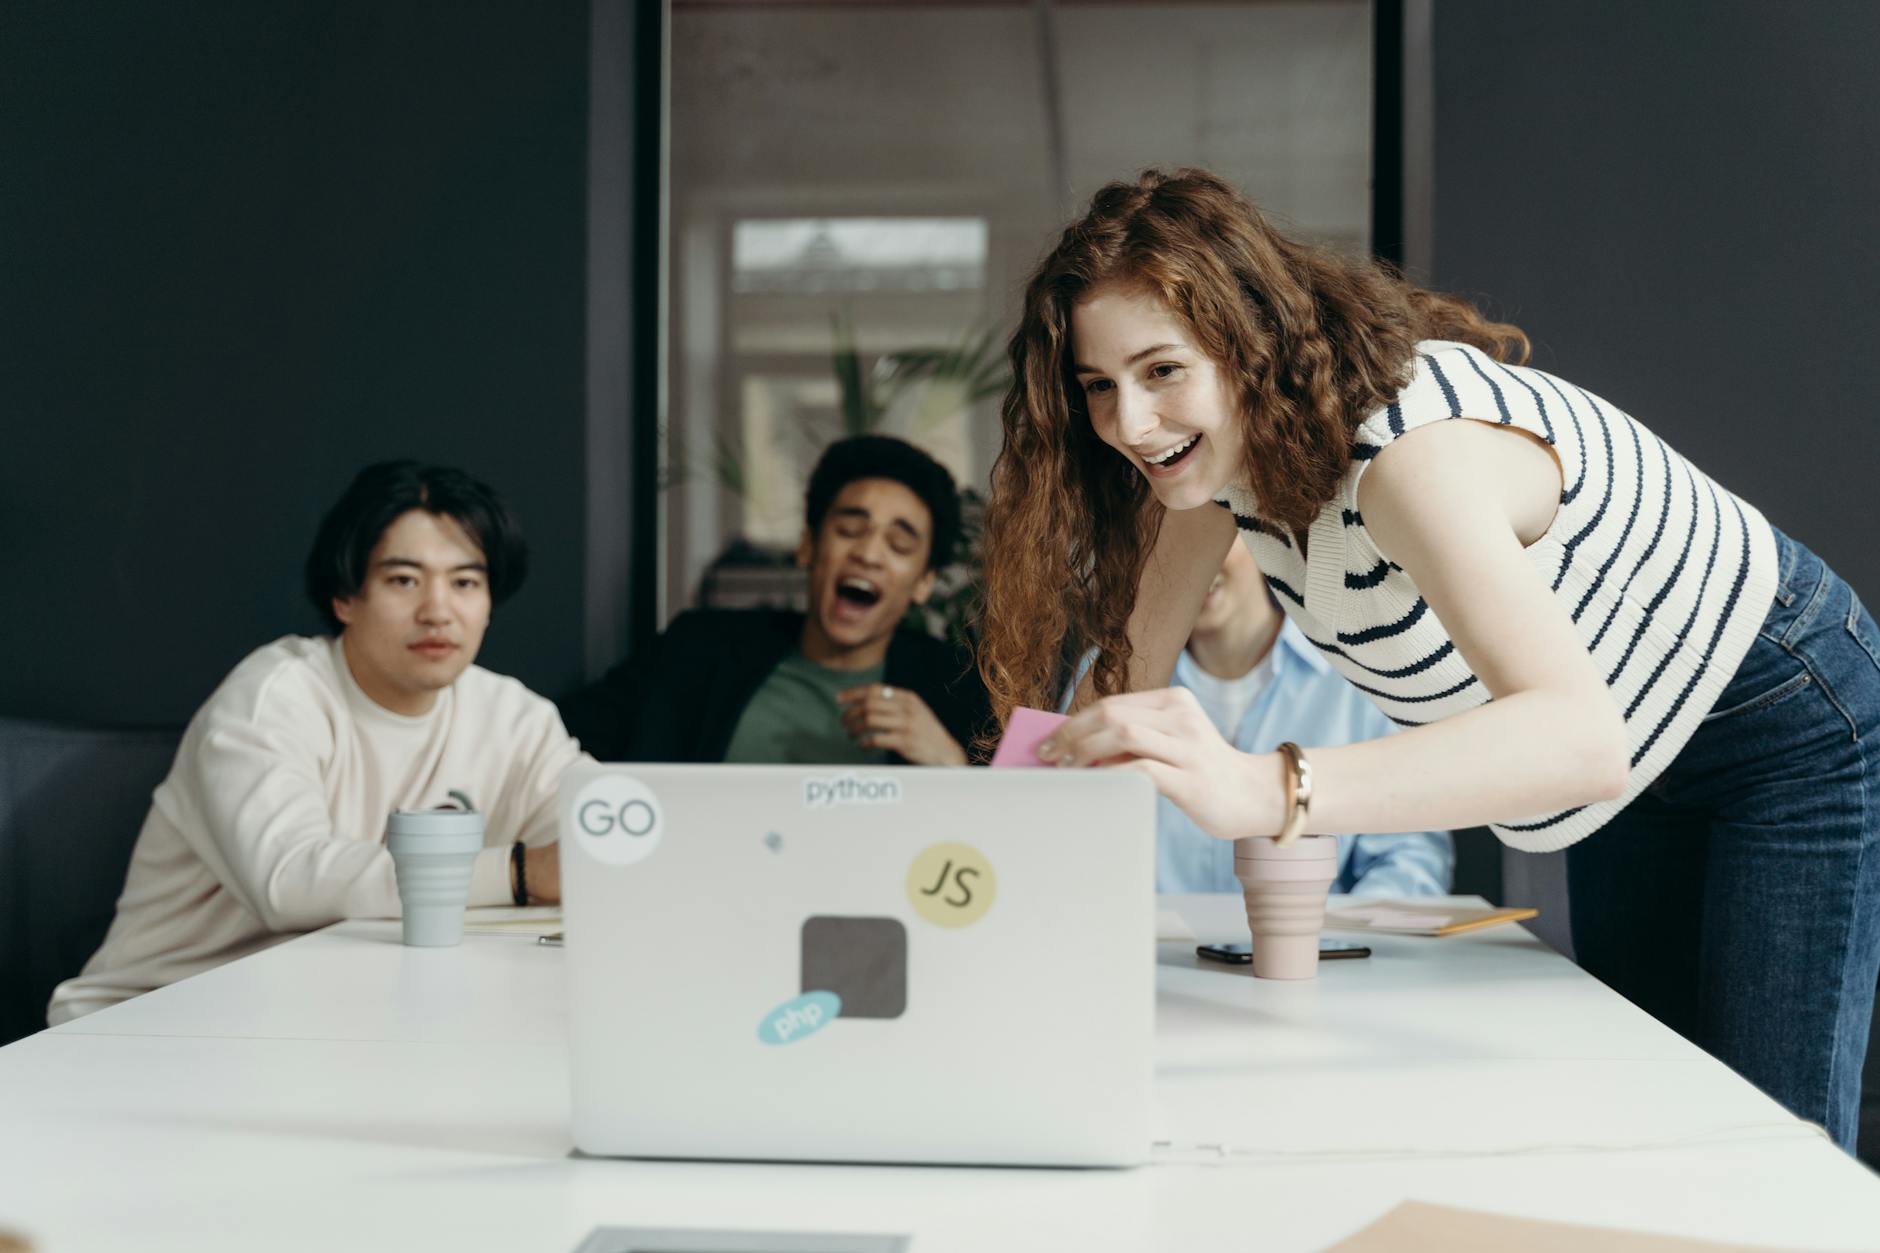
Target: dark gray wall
{"points": [[1677, 200], [244, 249]]}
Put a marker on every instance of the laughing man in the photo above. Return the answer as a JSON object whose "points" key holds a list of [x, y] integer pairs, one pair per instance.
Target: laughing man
{"points": [[840, 684]]}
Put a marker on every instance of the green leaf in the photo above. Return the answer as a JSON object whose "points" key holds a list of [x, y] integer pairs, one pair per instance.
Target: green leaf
{"points": [[856, 404], [727, 465]]}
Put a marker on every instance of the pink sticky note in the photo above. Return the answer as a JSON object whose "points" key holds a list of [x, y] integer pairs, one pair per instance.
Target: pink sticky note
{"points": [[1027, 729]]}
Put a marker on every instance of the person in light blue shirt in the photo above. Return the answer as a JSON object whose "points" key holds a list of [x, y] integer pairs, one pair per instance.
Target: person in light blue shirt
{"points": [[1261, 683]]}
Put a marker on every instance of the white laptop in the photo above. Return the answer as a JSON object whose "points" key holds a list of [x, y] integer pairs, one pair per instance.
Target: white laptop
{"points": [[864, 965]]}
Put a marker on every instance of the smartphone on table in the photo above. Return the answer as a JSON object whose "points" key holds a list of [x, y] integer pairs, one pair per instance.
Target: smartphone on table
{"points": [[1242, 954]]}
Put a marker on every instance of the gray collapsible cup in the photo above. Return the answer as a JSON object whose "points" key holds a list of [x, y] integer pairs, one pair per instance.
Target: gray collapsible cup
{"points": [[434, 851]]}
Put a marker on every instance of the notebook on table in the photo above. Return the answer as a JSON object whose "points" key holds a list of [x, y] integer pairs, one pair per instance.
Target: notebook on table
{"points": [[1421, 917]]}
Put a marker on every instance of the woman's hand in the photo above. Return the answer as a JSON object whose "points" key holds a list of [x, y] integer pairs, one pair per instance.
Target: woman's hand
{"points": [[1165, 735]]}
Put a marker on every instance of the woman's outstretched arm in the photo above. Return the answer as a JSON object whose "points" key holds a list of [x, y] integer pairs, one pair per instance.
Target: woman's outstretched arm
{"points": [[1451, 504], [1187, 555]]}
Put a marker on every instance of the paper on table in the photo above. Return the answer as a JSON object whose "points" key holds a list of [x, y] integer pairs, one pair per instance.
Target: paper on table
{"points": [[1419, 1227], [1019, 745], [512, 919], [1395, 919], [512, 913], [1170, 925]]}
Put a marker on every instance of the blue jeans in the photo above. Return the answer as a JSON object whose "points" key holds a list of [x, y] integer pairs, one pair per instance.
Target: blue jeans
{"points": [[1738, 899]]}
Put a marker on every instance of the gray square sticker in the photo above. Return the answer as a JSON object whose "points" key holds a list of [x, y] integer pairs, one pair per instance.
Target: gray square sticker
{"points": [[861, 960]]}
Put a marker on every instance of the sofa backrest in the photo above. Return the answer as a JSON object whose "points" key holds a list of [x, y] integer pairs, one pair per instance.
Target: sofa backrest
{"points": [[72, 800]]}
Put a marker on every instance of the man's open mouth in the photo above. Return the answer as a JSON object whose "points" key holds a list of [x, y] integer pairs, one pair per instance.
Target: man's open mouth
{"points": [[859, 592]]}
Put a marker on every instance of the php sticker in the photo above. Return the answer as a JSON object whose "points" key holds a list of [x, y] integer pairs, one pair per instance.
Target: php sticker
{"points": [[951, 884], [617, 820], [799, 1018]]}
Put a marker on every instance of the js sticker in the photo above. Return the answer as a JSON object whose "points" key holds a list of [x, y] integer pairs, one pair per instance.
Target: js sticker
{"points": [[951, 884]]}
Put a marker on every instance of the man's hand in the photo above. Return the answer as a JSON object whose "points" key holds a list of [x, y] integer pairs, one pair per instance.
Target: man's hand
{"points": [[541, 868], [878, 716]]}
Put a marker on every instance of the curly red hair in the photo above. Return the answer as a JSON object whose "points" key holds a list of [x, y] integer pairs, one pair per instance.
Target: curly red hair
{"points": [[1313, 342]]}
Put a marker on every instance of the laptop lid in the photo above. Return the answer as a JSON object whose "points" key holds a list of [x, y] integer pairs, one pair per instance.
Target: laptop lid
{"points": [[840, 964]]}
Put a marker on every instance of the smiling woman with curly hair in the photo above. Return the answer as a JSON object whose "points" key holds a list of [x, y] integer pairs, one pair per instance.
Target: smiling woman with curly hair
{"points": [[1590, 643]]}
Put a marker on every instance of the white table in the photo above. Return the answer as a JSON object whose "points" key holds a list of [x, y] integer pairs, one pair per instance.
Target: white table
{"points": [[341, 1091]]}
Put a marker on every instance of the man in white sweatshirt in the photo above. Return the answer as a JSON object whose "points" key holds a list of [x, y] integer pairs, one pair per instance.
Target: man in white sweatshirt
{"points": [[272, 819]]}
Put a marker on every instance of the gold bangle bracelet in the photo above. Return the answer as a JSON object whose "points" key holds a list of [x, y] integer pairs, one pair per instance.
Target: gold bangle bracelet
{"points": [[1298, 793]]}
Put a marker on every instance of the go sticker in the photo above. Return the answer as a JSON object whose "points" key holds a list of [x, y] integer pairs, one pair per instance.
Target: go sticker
{"points": [[617, 819], [799, 1016], [951, 884]]}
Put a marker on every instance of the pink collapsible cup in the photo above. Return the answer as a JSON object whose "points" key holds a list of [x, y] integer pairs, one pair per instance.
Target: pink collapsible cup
{"points": [[1285, 889]]}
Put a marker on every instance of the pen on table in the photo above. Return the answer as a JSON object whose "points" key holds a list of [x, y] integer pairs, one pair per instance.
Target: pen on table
{"points": [[552, 939]]}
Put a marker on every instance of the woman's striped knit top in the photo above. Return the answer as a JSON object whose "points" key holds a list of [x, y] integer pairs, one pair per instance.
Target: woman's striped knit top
{"points": [[1666, 575]]}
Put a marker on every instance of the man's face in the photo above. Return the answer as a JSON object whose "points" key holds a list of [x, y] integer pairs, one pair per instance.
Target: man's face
{"points": [[868, 562], [417, 621], [1238, 592]]}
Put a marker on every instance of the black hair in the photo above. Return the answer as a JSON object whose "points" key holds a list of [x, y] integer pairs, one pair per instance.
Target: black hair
{"points": [[884, 457], [382, 493]]}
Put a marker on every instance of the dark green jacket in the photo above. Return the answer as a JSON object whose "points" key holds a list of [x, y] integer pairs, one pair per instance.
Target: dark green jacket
{"points": [[681, 699]]}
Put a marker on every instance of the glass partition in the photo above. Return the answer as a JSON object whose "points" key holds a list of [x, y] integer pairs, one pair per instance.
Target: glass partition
{"points": [[858, 191]]}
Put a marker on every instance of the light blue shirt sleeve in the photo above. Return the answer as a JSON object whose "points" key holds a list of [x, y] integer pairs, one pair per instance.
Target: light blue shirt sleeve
{"points": [[1308, 702], [1421, 863]]}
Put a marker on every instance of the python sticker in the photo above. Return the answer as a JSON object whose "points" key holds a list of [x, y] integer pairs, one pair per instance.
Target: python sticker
{"points": [[617, 820], [799, 1017], [851, 789], [951, 884]]}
